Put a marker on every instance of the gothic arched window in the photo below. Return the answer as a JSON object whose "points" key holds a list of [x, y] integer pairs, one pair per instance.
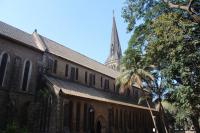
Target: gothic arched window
{"points": [[4, 59], [26, 75]]}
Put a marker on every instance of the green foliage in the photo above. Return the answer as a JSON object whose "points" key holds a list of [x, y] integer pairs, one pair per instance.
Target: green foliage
{"points": [[141, 9], [43, 92], [169, 40], [13, 128], [174, 45], [147, 10]]}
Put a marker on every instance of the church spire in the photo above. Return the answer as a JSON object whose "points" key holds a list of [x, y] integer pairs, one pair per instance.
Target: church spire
{"points": [[115, 54]]}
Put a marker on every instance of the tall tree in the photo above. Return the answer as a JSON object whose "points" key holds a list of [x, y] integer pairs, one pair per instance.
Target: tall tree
{"points": [[159, 91], [167, 35], [174, 46], [136, 77], [133, 61]]}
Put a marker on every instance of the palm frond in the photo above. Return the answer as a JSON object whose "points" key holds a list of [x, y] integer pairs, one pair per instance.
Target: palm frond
{"points": [[151, 67], [145, 75], [136, 80], [168, 106], [141, 99]]}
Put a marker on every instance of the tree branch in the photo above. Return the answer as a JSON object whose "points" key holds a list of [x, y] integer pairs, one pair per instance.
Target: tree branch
{"points": [[172, 5], [195, 15]]}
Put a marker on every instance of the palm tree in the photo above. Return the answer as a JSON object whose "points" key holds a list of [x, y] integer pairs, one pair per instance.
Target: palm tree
{"points": [[139, 78], [159, 91]]}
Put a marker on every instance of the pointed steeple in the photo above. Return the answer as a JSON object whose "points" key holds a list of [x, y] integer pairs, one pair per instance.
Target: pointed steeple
{"points": [[115, 53]]}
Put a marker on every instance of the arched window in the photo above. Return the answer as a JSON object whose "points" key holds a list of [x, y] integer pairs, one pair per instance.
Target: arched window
{"points": [[4, 59], [26, 75]]}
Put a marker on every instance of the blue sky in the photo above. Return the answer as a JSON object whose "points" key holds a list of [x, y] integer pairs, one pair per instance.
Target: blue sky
{"points": [[84, 25]]}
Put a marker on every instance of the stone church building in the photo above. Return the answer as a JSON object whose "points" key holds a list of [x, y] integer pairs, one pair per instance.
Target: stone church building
{"points": [[49, 88]]}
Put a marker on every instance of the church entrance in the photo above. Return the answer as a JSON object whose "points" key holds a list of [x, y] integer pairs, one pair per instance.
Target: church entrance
{"points": [[98, 127]]}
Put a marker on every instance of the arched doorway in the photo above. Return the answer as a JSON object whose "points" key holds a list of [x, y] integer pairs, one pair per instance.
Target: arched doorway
{"points": [[98, 127]]}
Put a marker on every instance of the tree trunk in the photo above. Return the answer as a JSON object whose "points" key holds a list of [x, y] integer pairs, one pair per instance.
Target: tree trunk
{"points": [[154, 122], [161, 110], [195, 122]]}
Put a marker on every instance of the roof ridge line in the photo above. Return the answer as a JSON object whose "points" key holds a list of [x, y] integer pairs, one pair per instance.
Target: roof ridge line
{"points": [[15, 27], [78, 53]]}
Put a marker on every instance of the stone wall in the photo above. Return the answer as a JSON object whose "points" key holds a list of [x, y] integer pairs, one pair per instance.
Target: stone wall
{"points": [[140, 123], [14, 102]]}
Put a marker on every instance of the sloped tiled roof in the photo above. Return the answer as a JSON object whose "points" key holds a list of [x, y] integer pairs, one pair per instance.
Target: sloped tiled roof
{"points": [[78, 90], [71, 55], [55, 48], [16, 34]]}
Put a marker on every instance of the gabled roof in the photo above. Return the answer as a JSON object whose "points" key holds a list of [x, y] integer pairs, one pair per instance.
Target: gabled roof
{"points": [[35, 40], [16, 34], [71, 55], [74, 89]]}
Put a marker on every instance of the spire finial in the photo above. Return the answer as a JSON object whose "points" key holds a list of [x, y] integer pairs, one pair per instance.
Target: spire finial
{"points": [[113, 13]]}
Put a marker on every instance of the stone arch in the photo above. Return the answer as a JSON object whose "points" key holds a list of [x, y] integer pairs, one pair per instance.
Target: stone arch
{"points": [[100, 124]]}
